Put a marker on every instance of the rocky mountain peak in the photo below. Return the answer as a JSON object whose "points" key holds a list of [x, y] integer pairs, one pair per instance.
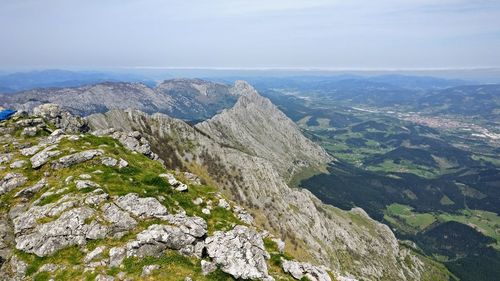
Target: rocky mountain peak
{"points": [[258, 127]]}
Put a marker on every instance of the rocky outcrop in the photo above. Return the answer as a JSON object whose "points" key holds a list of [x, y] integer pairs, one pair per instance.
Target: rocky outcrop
{"points": [[239, 252], [11, 181], [301, 270], [42, 157], [68, 230], [62, 119], [141, 207], [76, 158]]}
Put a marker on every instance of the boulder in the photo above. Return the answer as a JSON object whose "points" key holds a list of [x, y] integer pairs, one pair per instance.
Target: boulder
{"points": [[148, 207], [32, 190], [6, 157], [109, 161], [29, 151], [116, 256], [300, 270], [76, 158], [148, 269], [239, 252], [122, 164], [42, 157], [17, 164], [156, 238], [94, 254], [194, 226], [67, 230], [61, 118], [11, 181], [81, 184], [121, 221], [207, 267]]}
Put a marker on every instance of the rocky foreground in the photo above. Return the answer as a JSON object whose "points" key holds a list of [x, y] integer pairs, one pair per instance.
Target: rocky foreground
{"points": [[101, 206]]}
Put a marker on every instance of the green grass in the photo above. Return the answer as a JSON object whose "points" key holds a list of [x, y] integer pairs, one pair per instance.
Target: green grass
{"points": [[173, 266], [404, 217]]}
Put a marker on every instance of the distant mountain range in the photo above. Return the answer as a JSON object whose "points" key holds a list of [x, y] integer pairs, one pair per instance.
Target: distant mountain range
{"points": [[181, 98], [21, 81]]}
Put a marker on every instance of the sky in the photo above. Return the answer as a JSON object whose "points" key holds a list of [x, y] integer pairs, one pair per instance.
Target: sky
{"points": [[318, 34]]}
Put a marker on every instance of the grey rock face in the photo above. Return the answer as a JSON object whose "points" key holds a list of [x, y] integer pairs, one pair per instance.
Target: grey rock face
{"points": [[29, 151], [148, 269], [76, 158], [239, 252], [29, 131], [42, 157], [207, 267], [109, 161], [194, 226], [133, 141], [30, 191], [148, 207], [94, 254], [69, 229], [6, 157], [81, 184], [11, 181], [116, 256], [121, 220], [156, 238], [61, 118], [17, 164], [300, 270]]}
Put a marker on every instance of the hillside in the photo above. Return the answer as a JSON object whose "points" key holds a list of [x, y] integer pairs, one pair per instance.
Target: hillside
{"points": [[347, 241], [84, 207]]}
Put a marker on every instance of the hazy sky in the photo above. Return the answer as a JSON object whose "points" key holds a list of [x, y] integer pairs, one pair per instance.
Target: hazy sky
{"points": [[250, 33]]}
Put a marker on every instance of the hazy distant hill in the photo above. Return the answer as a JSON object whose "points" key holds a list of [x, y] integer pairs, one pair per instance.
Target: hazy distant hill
{"points": [[60, 78]]}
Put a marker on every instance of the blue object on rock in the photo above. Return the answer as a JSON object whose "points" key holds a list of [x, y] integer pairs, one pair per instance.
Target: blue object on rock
{"points": [[6, 114]]}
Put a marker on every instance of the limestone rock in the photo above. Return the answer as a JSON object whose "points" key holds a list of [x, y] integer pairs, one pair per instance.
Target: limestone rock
{"points": [[109, 161], [94, 254], [32, 190], [148, 269], [116, 256], [29, 151], [81, 184], [223, 204], [61, 118], [103, 277], [194, 226], [300, 270], [120, 220], [76, 158], [17, 164], [156, 238], [280, 244], [6, 157], [243, 215], [11, 181], [135, 142], [68, 230], [29, 131], [148, 207], [122, 164], [239, 252], [42, 157], [207, 267]]}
